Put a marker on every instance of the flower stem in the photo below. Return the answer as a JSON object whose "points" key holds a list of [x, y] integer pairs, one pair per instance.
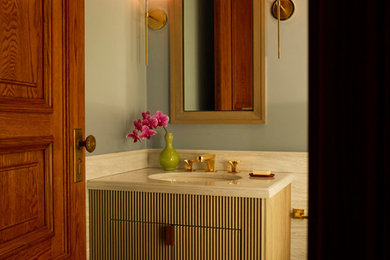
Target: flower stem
{"points": [[166, 131]]}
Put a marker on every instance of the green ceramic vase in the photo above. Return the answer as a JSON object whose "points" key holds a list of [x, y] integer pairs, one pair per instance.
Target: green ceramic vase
{"points": [[169, 158]]}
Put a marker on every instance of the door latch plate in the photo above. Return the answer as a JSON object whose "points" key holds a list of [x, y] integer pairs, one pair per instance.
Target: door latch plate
{"points": [[78, 155]]}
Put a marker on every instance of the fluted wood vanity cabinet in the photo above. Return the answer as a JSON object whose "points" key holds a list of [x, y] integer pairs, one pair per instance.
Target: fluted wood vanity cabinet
{"points": [[133, 225]]}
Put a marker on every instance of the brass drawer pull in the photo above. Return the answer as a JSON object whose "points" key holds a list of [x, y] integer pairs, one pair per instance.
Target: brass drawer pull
{"points": [[170, 235]]}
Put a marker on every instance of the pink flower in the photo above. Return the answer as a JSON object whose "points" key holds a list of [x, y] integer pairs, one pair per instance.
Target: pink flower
{"points": [[162, 119], [146, 114], [135, 136], [150, 122], [138, 124], [145, 125], [147, 132]]}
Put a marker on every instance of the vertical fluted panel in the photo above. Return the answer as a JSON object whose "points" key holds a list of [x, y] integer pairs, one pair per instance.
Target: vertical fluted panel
{"points": [[131, 225], [92, 224]]}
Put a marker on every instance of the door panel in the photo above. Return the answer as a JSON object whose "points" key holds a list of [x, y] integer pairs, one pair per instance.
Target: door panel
{"points": [[22, 48], [41, 211], [23, 178], [25, 53]]}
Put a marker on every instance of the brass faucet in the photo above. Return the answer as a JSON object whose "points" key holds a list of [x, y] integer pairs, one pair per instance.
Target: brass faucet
{"points": [[189, 165], [209, 159]]}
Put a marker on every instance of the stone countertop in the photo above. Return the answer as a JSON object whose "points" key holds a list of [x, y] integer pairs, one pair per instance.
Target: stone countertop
{"points": [[247, 186]]}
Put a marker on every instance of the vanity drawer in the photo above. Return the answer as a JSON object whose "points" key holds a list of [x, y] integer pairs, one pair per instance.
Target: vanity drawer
{"points": [[179, 209], [188, 242]]}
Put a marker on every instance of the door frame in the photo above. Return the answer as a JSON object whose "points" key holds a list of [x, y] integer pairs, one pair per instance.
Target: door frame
{"points": [[74, 76]]}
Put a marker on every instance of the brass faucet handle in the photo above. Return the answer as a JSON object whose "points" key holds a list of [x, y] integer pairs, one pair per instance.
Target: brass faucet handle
{"points": [[189, 165], [234, 165]]}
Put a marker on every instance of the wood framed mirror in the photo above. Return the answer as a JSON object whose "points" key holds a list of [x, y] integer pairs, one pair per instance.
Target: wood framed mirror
{"points": [[233, 75]]}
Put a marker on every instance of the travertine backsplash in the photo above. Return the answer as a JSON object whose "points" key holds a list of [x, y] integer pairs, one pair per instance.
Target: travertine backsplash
{"points": [[275, 161]]}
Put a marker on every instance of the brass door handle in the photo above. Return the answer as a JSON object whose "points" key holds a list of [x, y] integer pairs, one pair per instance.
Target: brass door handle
{"points": [[78, 160], [299, 214], [89, 143]]}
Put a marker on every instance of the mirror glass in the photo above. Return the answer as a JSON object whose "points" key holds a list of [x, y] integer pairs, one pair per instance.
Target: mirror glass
{"points": [[218, 55]]}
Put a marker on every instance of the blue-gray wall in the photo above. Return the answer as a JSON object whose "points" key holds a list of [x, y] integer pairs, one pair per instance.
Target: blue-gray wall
{"points": [[115, 72], [287, 93]]}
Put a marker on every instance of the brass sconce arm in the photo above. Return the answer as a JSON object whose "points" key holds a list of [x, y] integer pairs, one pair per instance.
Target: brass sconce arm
{"points": [[155, 19], [282, 10]]}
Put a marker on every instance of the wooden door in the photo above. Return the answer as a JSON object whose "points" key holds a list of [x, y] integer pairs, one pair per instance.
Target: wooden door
{"points": [[42, 211]]}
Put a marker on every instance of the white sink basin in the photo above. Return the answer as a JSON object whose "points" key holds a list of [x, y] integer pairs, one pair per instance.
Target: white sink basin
{"points": [[194, 177]]}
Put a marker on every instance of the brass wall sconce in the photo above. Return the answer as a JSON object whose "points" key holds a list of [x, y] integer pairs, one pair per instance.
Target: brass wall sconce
{"points": [[282, 10], [287, 8], [155, 19]]}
